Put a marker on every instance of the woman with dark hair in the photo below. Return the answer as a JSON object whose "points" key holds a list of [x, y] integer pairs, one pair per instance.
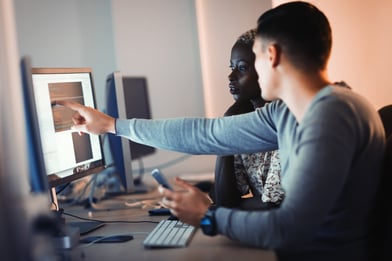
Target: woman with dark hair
{"points": [[255, 174]]}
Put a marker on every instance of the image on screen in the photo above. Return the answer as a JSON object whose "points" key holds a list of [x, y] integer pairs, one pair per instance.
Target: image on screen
{"points": [[70, 91]]}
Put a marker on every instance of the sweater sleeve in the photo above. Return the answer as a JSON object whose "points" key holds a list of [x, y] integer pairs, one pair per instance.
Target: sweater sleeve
{"points": [[204, 136]]}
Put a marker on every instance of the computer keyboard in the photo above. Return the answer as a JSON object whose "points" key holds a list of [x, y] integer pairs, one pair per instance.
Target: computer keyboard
{"points": [[169, 233]]}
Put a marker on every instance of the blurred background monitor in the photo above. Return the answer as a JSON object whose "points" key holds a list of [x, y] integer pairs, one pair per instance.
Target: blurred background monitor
{"points": [[127, 97], [37, 170]]}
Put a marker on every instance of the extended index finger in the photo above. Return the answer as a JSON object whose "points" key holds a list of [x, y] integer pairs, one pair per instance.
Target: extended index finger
{"points": [[72, 105]]}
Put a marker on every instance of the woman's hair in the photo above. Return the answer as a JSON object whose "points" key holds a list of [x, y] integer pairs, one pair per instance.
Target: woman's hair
{"points": [[247, 38]]}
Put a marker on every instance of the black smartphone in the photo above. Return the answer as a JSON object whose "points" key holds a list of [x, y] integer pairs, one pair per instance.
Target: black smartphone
{"points": [[161, 179], [106, 239]]}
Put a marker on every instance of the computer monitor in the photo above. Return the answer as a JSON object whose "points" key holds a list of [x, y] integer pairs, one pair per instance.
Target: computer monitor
{"points": [[127, 97], [67, 155], [52, 161], [37, 171]]}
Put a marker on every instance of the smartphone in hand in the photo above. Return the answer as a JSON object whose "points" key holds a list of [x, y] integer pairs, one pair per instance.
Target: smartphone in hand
{"points": [[161, 179]]}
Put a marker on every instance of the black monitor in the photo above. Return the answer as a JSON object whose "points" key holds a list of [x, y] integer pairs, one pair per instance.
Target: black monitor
{"points": [[127, 97], [37, 171]]}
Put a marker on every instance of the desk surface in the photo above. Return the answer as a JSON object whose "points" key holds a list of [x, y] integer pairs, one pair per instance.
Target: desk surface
{"points": [[201, 247]]}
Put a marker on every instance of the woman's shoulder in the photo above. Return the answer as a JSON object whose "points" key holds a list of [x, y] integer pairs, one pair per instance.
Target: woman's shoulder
{"points": [[239, 108]]}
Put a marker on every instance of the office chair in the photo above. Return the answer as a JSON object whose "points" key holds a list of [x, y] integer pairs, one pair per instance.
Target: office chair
{"points": [[385, 231], [385, 207], [386, 118]]}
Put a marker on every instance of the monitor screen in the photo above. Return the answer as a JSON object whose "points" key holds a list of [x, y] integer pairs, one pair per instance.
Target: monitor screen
{"points": [[127, 97], [136, 105], [67, 155]]}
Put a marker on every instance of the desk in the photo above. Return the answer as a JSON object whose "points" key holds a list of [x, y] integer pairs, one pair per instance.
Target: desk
{"points": [[201, 247]]}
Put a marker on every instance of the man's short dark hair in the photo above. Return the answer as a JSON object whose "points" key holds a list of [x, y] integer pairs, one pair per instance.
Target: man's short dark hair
{"points": [[302, 32]]}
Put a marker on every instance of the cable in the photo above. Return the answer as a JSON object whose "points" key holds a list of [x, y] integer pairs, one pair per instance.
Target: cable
{"points": [[80, 196], [61, 188], [141, 170], [91, 194], [109, 221], [166, 164]]}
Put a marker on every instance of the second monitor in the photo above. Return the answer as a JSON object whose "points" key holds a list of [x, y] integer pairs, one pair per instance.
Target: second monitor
{"points": [[127, 97]]}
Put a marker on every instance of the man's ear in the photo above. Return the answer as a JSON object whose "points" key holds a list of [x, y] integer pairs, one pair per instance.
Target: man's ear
{"points": [[274, 54]]}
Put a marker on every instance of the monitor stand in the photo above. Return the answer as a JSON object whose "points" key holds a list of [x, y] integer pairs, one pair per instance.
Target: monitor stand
{"points": [[139, 188]]}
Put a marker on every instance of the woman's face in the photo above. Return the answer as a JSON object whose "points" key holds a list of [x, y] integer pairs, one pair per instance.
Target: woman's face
{"points": [[243, 79]]}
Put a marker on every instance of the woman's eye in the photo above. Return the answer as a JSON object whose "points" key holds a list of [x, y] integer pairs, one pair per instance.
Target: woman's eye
{"points": [[239, 67], [242, 68]]}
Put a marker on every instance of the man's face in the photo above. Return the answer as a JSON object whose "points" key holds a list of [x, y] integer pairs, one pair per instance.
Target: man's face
{"points": [[264, 69]]}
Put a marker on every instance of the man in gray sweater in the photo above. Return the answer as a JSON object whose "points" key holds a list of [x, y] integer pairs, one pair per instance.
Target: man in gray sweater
{"points": [[331, 142]]}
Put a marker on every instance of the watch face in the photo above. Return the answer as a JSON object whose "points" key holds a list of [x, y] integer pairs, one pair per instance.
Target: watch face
{"points": [[207, 224]]}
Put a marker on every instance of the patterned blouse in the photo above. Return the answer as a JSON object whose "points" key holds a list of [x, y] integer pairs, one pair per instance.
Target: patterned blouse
{"points": [[259, 173]]}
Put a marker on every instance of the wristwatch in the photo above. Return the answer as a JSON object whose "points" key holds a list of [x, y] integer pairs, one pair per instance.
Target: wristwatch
{"points": [[208, 224]]}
